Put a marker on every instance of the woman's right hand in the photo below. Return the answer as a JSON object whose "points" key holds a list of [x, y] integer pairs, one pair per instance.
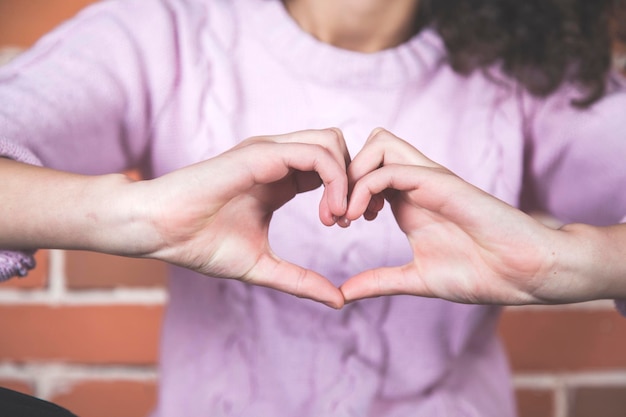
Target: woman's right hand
{"points": [[213, 217]]}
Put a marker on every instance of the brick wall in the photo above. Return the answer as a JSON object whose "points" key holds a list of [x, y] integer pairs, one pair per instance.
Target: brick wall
{"points": [[82, 330], [87, 344]]}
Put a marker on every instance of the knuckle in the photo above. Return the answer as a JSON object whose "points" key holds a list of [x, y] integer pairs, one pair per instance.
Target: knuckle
{"points": [[380, 281], [335, 134], [332, 137], [300, 283], [379, 134], [443, 170]]}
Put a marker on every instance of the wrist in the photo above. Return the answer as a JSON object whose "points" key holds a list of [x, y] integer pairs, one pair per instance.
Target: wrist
{"points": [[591, 262], [121, 223]]}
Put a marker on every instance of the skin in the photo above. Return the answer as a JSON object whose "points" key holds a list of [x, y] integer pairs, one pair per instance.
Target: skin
{"points": [[434, 207], [179, 218], [199, 217], [356, 25], [470, 247]]}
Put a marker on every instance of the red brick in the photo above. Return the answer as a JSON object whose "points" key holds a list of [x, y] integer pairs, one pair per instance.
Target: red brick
{"points": [[16, 385], [23, 22], [109, 398], [80, 334], [36, 278], [564, 340], [535, 403], [598, 402], [88, 270]]}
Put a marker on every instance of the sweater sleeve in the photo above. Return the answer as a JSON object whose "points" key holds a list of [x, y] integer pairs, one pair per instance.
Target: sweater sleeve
{"points": [[575, 163], [575, 160], [15, 263], [84, 97]]}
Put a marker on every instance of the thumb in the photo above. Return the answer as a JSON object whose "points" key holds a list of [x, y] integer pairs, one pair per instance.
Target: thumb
{"points": [[273, 272], [383, 281]]}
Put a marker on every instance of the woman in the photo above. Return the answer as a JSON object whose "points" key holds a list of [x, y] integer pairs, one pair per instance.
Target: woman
{"points": [[484, 89]]}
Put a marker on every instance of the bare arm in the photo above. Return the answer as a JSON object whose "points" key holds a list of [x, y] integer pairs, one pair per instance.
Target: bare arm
{"points": [[211, 217], [471, 247], [45, 208]]}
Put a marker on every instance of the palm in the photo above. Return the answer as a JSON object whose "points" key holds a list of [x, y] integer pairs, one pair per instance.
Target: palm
{"points": [[459, 235], [233, 243], [464, 261], [216, 214]]}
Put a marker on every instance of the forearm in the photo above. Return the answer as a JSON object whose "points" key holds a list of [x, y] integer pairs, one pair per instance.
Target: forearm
{"points": [[593, 261], [44, 208]]}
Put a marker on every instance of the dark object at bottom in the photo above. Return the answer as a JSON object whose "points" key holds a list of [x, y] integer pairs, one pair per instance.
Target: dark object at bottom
{"points": [[16, 404]]}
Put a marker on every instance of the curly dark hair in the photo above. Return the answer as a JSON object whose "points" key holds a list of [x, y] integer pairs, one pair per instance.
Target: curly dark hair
{"points": [[542, 44]]}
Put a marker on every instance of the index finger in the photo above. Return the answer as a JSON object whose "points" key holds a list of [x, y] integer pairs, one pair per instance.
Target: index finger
{"points": [[383, 148], [272, 162]]}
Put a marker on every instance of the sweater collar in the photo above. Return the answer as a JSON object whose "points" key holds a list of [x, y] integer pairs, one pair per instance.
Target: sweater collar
{"points": [[326, 64]]}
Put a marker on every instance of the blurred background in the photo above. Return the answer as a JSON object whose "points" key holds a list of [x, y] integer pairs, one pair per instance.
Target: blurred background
{"points": [[82, 330]]}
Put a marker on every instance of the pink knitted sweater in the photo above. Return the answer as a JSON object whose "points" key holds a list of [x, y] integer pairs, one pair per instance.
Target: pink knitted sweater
{"points": [[160, 84]]}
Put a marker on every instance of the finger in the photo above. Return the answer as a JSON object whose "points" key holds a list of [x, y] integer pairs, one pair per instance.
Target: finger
{"points": [[383, 148], [270, 158], [433, 187], [326, 214], [367, 191], [306, 181], [309, 158], [332, 139], [267, 162], [376, 204], [383, 281], [275, 273]]}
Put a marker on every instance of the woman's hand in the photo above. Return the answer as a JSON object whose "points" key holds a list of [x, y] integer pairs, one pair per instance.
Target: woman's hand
{"points": [[213, 217], [468, 246]]}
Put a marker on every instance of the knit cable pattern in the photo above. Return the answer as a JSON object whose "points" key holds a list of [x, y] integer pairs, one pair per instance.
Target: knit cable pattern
{"points": [[15, 264]]}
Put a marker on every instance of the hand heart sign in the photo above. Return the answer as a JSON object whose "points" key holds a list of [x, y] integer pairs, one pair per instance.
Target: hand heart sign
{"points": [[214, 216]]}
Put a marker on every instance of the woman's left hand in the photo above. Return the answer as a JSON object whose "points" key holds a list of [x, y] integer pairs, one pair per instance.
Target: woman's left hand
{"points": [[467, 245]]}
